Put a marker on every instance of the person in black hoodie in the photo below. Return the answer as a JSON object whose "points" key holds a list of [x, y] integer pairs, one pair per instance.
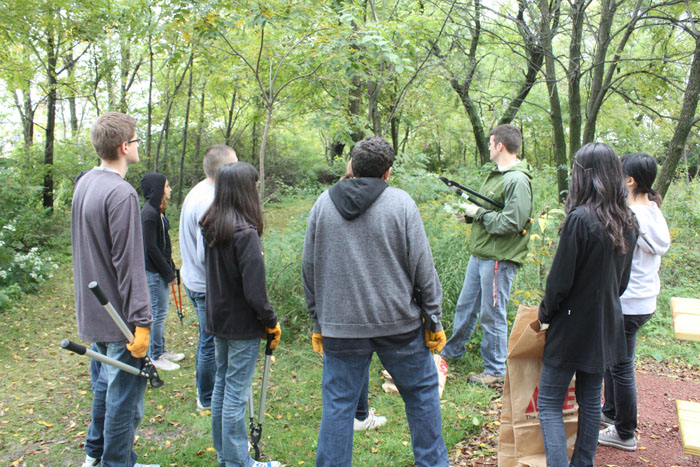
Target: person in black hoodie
{"points": [[581, 304], [160, 269], [238, 312]]}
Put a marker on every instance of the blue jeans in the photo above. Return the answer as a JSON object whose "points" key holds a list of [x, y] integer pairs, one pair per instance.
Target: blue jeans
{"points": [[554, 384], [620, 385], [117, 407], [413, 370], [158, 290], [206, 360], [477, 298], [362, 410], [235, 366]]}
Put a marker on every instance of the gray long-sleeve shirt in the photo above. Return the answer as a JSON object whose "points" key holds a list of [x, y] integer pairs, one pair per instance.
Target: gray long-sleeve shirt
{"points": [[359, 274], [108, 248]]}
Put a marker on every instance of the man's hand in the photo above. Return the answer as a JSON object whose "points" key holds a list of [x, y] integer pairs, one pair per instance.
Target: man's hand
{"points": [[469, 209], [459, 217], [276, 332], [139, 347], [317, 342], [435, 340]]}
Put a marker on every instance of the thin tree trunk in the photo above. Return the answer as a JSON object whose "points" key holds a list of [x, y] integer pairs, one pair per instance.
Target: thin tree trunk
{"points": [[261, 167], [200, 124], [184, 135], [554, 106], [230, 120], [574, 76], [51, 64], [685, 124], [166, 124], [149, 123]]}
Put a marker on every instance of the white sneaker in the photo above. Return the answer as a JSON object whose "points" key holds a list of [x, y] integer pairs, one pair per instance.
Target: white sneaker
{"points": [[165, 364], [91, 462], [173, 357], [266, 464], [146, 465], [372, 421]]}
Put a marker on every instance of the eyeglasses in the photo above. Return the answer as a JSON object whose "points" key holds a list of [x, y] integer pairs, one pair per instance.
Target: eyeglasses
{"points": [[135, 140]]}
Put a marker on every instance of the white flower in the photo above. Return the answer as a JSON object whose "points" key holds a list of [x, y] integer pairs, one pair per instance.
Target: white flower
{"points": [[3, 274], [10, 227]]}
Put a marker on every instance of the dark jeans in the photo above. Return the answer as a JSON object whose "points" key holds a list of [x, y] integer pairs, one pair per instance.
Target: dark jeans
{"points": [[554, 384], [620, 386], [206, 355]]}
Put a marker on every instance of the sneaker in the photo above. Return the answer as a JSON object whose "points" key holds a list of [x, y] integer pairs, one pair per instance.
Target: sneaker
{"points": [[200, 407], [92, 462], [607, 421], [485, 378], [609, 437], [146, 465], [266, 464], [372, 421], [165, 364], [173, 357]]}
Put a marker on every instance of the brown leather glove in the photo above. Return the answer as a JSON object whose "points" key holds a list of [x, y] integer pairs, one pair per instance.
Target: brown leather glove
{"points": [[139, 347], [435, 340], [276, 332], [317, 342]]}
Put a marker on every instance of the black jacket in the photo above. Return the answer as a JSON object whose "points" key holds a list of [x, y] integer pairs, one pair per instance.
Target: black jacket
{"points": [[236, 299], [582, 298], [156, 240]]}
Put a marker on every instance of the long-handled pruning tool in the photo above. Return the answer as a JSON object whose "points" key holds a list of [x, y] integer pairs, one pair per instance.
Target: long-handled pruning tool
{"points": [[147, 369], [256, 429]]}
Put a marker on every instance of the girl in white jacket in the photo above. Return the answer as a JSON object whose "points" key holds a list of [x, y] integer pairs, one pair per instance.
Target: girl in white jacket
{"points": [[638, 301]]}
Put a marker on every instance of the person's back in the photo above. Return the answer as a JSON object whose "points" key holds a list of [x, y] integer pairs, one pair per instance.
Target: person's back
{"points": [[195, 205]]}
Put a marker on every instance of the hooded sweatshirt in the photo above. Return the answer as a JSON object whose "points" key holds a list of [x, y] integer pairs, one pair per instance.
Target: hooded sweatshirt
{"points": [[155, 226], [653, 241], [365, 251]]}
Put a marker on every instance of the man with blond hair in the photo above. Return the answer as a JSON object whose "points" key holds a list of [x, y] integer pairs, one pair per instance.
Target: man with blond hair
{"points": [[108, 248], [193, 273]]}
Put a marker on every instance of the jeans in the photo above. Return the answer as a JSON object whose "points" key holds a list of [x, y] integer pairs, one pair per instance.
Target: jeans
{"points": [[158, 290], [554, 384], [117, 407], [206, 360], [235, 366], [362, 410], [620, 386], [413, 370], [477, 298]]}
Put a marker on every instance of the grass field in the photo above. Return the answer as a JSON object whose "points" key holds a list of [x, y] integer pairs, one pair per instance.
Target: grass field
{"points": [[45, 393]]}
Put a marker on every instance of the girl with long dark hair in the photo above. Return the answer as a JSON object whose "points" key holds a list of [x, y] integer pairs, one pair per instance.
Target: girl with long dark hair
{"points": [[237, 309], [638, 301], [581, 304]]}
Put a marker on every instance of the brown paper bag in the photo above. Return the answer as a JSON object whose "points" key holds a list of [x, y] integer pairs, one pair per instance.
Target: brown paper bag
{"points": [[520, 439], [441, 366]]}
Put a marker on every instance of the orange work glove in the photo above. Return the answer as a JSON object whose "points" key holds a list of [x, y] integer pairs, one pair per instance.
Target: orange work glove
{"points": [[435, 340], [276, 332], [317, 342], [139, 347]]}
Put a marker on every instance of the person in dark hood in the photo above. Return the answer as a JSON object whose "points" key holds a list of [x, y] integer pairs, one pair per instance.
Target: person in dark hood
{"points": [[365, 253], [160, 269]]}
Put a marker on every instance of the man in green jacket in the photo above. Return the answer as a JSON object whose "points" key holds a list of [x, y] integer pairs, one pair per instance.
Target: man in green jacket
{"points": [[498, 247]]}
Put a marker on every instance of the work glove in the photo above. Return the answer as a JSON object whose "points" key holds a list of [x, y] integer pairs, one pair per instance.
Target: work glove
{"points": [[435, 340], [459, 217], [469, 209], [139, 346], [276, 332], [317, 342]]}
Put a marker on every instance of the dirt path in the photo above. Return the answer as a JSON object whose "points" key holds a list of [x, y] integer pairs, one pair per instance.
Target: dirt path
{"points": [[659, 445]]}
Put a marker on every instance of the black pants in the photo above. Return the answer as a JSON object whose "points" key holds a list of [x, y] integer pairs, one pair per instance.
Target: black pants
{"points": [[620, 386]]}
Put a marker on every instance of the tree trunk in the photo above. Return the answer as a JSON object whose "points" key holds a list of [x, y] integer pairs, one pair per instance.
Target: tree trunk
{"points": [[475, 120], [166, 124], [72, 109], [124, 74], [51, 64], [26, 112], [149, 123], [261, 167], [354, 109], [395, 132], [686, 121], [184, 136], [574, 76], [554, 105], [200, 124]]}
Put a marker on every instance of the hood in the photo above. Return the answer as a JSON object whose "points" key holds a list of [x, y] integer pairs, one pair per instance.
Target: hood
{"points": [[521, 166], [152, 187], [654, 236], [354, 196]]}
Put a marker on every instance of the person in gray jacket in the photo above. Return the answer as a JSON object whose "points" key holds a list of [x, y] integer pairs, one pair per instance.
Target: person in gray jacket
{"points": [[365, 257]]}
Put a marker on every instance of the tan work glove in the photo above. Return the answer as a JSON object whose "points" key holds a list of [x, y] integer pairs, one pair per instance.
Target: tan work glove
{"points": [[459, 217], [139, 347], [317, 342], [276, 332], [435, 340]]}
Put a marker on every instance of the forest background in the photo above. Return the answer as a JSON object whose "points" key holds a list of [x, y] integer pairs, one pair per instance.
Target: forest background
{"points": [[292, 85]]}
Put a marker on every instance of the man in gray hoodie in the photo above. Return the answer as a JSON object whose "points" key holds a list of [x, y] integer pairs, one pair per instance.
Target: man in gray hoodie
{"points": [[366, 265]]}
